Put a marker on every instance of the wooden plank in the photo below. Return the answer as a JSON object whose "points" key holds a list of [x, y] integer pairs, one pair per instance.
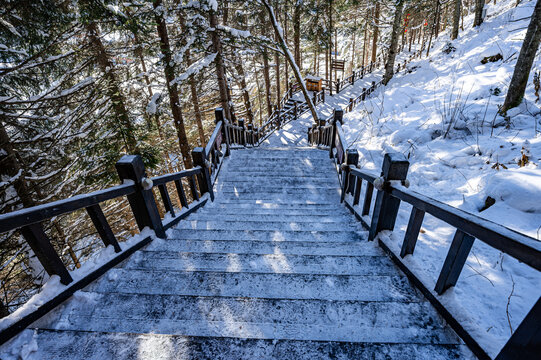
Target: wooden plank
{"points": [[102, 226], [412, 232], [164, 179], [454, 261], [36, 214]]}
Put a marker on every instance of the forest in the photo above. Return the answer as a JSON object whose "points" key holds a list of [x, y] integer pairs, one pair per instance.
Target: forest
{"points": [[84, 82]]}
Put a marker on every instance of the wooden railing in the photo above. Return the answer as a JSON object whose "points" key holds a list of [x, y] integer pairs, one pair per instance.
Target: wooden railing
{"points": [[392, 189], [139, 191]]}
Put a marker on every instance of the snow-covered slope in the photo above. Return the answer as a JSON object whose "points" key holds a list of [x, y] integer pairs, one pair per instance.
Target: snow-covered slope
{"points": [[464, 163]]}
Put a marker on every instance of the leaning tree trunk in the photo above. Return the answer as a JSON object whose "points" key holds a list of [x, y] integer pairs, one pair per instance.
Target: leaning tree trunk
{"points": [[478, 19], [525, 61], [389, 66], [290, 58], [113, 88], [375, 39], [172, 87], [456, 19]]}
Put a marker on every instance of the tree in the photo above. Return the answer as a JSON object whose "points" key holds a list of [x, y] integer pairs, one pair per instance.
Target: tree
{"points": [[479, 6], [389, 65], [279, 33], [525, 60], [171, 85], [456, 18]]}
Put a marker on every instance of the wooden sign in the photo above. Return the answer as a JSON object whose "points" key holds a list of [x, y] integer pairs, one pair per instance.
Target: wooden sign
{"points": [[338, 64]]}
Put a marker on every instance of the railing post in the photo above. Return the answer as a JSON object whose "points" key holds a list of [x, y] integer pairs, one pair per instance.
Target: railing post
{"points": [[337, 117], [454, 261], [219, 115], [250, 129], [142, 202], [200, 159], [337, 86], [350, 104], [242, 133], [45, 252], [352, 158], [321, 125], [295, 110], [363, 94], [323, 94], [525, 342], [395, 167]]}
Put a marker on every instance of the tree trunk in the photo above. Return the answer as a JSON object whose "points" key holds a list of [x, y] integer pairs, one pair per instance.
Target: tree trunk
{"points": [[525, 61], [195, 102], [456, 19], [220, 67], [297, 31], [375, 39], [266, 76], [353, 40], [389, 66], [172, 87], [438, 19], [113, 88], [478, 19], [277, 69], [291, 59], [245, 92], [330, 44]]}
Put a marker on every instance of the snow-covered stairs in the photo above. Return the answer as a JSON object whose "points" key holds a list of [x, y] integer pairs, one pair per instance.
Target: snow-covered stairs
{"points": [[276, 267]]}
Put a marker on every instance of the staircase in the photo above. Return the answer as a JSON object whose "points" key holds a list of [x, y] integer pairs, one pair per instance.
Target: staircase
{"points": [[276, 267]]}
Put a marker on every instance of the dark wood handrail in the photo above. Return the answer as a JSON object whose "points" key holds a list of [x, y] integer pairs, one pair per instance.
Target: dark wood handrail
{"points": [[39, 213]]}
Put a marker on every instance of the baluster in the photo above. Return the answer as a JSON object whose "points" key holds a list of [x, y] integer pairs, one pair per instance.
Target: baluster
{"points": [[367, 199], [181, 194], [219, 116], [358, 187], [205, 183], [166, 199], [395, 167], [363, 94], [412, 232], [455, 260], [45, 252], [102, 226], [142, 202], [193, 187], [352, 158]]}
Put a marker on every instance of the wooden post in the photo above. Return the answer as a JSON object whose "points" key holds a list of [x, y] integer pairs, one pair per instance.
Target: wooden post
{"points": [[250, 128], [143, 205], [323, 94], [41, 245], [395, 167], [337, 85], [350, 107], [242, 133], [200, 159], [219, 115], [454, 262], [352, 158], [295, 110], [525, 342], [363, 94]]}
